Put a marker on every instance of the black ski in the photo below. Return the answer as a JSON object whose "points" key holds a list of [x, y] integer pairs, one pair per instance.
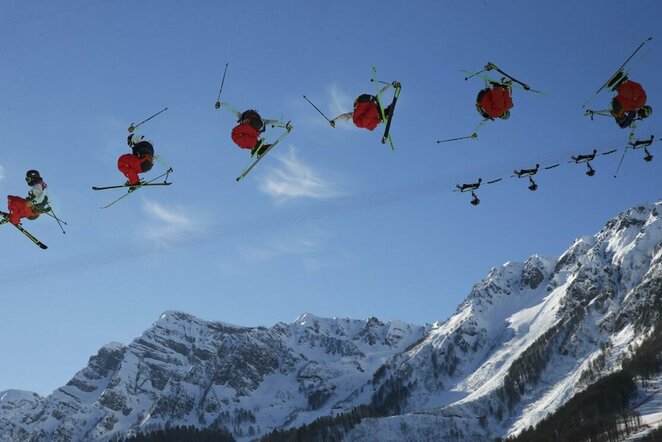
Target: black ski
{"points": [[23, 231], [386, 135], [491, 66], [137, 186], [129, 185], [252, 163], [619, 74], [503, 82]]}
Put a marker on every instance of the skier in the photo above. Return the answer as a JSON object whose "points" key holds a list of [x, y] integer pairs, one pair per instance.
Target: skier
{"points": [[587, 158], [139, 161], [246, 134], [629, 104], [495, 101], [469, 186], [31, 207], [526, 172], [366, 113], [581, 158]]}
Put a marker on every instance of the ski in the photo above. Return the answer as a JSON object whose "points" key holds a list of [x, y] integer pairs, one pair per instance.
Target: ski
{"points": [[128, 185], [138, 186], [500, 83], [618, 75], [253, 162], [386, 135], [473, 136], [491, 66], [22, 230]]}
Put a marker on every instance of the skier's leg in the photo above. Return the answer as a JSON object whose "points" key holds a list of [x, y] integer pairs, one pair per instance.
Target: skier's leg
{"points": [[17, 207], [129, 165]]}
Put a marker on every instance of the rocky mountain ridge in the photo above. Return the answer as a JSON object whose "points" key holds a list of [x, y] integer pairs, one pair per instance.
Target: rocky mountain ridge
{"points": [[526, 339]]}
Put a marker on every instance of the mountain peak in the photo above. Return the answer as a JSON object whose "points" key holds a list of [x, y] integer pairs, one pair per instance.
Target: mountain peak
{"points": [[527, 338]]}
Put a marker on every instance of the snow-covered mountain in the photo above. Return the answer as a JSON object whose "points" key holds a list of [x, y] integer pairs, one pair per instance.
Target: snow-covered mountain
{"points": [[186, 371], [527, 338]]}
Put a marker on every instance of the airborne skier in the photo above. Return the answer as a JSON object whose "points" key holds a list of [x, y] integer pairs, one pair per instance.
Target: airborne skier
{"points": [[246, 134], [31, 207], [471, 187], [522, 173], [367, 113], [495, 101], [141, 159], [629, 104], [586, 158]]}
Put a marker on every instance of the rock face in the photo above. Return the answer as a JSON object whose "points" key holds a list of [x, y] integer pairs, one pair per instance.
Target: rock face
{"points": [[186, 371], [527, 338]]}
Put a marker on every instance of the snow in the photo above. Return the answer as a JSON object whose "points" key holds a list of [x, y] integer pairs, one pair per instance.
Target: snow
{"points": [[188, 371], [17, 395], [649, 406]]}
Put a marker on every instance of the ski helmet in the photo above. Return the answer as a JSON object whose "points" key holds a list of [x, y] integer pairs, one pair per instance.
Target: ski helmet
{"points": [[32, 176], [505, 115], [645, 112]]}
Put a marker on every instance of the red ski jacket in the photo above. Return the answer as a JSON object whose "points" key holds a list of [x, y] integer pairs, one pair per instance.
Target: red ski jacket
{"points": [[631, 96], [366, 114], [495, 102], [245, 136]]}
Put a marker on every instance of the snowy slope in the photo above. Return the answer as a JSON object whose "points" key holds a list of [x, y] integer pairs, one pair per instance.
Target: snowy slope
{"points": [[649, 406], [527, 338]]}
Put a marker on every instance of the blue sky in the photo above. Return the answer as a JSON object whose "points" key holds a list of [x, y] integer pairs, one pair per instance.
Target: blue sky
{"points": [[331, 222]]}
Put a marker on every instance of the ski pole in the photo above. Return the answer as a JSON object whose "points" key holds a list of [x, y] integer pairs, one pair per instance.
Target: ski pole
{"points": [[379, 81], [473, 75], [218, 100], [59, 221], [625, 149], [133, 126], [621, 162], [322, 113], [162, 162], [472, 136]]}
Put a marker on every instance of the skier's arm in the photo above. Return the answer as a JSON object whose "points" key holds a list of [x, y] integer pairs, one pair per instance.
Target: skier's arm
{"points": [[384, 89], [274, 123], [232, 110], [342, 117]]}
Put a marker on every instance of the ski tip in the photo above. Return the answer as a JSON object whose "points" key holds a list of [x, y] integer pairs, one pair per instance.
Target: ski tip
{"points": [[43, 246]]}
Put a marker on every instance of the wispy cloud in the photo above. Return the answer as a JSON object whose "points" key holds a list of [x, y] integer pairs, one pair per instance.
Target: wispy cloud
{"points": [[169, 224], [294, 179], [340, 101], [306, 246]]}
